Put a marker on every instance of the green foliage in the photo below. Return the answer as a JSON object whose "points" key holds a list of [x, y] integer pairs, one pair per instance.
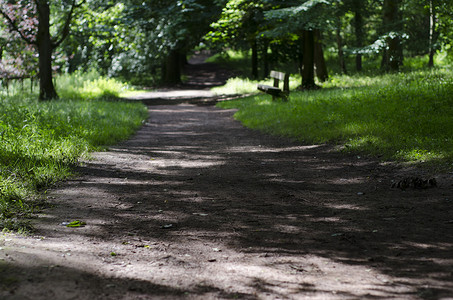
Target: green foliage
{"points": [[41, 141], [131, 39], [308, 15], [246, 86], [406, 117], [89, 85]]}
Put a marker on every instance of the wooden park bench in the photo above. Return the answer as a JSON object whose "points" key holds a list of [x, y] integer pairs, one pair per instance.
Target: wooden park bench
{"points": [[275, 91]]}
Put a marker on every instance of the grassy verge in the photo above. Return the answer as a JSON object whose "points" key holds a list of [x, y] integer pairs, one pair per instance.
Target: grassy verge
{"points": [[406, 117], [41, 141]]}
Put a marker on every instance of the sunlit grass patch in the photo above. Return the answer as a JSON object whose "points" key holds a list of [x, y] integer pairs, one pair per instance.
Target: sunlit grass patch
{"points": [[89, 86], [406, 116], [238, 85], [41, 141]]}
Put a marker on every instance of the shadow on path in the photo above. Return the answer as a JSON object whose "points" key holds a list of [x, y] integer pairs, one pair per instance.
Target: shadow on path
{"points": [[195, 205]]}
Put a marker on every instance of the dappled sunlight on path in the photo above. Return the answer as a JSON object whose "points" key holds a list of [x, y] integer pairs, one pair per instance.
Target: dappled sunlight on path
{"points": [[196, 206]]}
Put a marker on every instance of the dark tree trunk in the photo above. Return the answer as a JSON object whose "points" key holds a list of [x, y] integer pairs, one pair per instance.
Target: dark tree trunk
{"points": [[265, 59], [183, 59], [254, 59], [308, 61], [358, 26], [432, 33], [392, 58], [44, 43], [320, 63], [172, 68], [340, 51], [300, 54]]}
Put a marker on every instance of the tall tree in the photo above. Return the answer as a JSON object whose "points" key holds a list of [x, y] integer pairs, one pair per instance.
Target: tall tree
{"points": [[358, 8], [308, 59], [320, 63], [340, 24], [432, 26], [304, 18], [239, 26], [31, 20], [392, 56]]}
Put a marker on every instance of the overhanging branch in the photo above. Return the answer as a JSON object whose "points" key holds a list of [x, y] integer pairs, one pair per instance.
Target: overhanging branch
{"points": [[15, 28], [65, 30]]}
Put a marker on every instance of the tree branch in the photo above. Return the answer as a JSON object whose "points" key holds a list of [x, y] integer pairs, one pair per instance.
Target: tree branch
{"points": [[15, 28], [65, 31]]}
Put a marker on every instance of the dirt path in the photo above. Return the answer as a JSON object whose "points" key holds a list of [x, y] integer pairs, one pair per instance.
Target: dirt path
{"points": [[195, 206]]}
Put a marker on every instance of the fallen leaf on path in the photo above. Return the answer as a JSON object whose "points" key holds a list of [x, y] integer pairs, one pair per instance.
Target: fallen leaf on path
{"points": [[76, 223], [201, 214], [338, 234]]}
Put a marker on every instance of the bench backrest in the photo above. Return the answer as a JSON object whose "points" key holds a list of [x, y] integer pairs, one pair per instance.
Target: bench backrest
{"points": [[280, 76], [277, 75]]}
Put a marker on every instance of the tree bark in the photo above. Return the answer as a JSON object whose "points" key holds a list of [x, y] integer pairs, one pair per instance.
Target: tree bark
{"points": [[172, 68], [254, 59], [340, 51], [265, 58], [392, 58], [358, 26], [44, 44], [318, 56], [432, 33], [308, 61]]}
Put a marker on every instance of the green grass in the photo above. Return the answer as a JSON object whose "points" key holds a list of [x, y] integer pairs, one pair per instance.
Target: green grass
{"points": [[242, 86], [406, 117], [42, 141], [89, 86]]}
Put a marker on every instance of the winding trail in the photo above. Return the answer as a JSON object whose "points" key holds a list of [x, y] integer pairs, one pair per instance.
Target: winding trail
{"points": [[195, 206]]}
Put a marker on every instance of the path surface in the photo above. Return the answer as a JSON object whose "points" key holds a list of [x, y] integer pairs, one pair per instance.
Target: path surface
{"points": [[249, 216], [195, 206]]}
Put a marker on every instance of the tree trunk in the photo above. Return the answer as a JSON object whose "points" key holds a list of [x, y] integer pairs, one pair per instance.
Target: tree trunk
{"points": [[265, 59], [44, 43], [172, 68], [340, 51], [432, 26], [320, 63], [393, 56], [358, 26], [254, 59], [308, 73]]}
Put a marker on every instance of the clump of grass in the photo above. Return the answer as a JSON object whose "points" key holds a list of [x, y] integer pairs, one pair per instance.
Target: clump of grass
{"points": [[404, 116], [41, 141], [238, 85], [89, 85]]}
